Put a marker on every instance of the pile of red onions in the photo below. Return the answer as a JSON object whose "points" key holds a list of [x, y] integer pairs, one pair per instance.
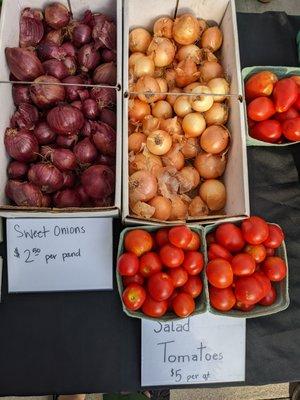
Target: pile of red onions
{"points": [[62, 139]]}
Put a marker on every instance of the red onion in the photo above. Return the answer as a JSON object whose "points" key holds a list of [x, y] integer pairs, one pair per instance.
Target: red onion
{"points": [[69, 49], [109, 117], [25, 116], [70, 64], [49, 50], [104, 97], [45, 151], [105, 202], [43, 133], [46, 95], [104, 138], [21, 144], [84, 197], [24, 193], [90, 108], [31, 27], [77, 104], [63, 159], [85, 151], [82, 34], [55, 36], [98, 181], [46, 200], [17, 170], [108, 55], [57, 15], [104, 32], [88, 57], [106, 160], [69, 179], [105, 74], [56, 68], [67, 198], [72, 91], [46, 176], [88, 18], [20, 94], [66, 141], [23, 63], [84, 94], [65, 120], [86, 129]]}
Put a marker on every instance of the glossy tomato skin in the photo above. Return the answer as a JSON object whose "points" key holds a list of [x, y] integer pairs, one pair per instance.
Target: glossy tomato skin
{"points": [[255, 230], [285, 94], [275, 238], [258, 252], [268, 131], [195, 243], [270, 298], [244, 307], [149, 264], [215, 250], [219, 273], [263, 280], [179, 276], [171, 256], [180, 236], [160, 286], [193, 286], [183, 305], [260, 84], [210, 238], [128, 264], [171, 298], [270, 252], [193, 262], [138, 241], [291, 129], [248, 290], [260, 109], [292, 112], [297, 102], [230, 236], [222, 299], [162, 237], [134, 296], [243, 264], [154, 308], [274, 268], [137, 278]]}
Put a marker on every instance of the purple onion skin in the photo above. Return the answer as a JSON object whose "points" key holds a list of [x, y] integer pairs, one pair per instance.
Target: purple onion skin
{"points": [[67, 142], [56, 68], [104, 138], [48, 50], [82, 34], [86, 130], [106, 160], [55, 36], [109, 117], [108, 55], [25, 117], [105, 97], [67, 198], [24, 194], [85, 151], [65, 120], [104, 33], [44, 134], [17, 170], [23, 63], [69, 179], [69, 49], [105, 74], [98, 181], [88, 58], [21, 145], [77, 104], [72, 92], [21, 94], [90, 109], [45, 96], [57, 15], [46, 176], [46, 200], [70, 64], [31, 27]]}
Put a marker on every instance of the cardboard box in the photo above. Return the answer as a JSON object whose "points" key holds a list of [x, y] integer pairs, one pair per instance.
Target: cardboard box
{"points": [[9, 34], [222, 12]]}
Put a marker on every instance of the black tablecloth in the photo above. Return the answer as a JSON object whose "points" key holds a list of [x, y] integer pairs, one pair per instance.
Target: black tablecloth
{"points": [[83, 342]]}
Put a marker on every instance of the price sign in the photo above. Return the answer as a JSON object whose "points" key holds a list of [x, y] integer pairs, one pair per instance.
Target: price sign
{"points": [[59, 254], [200, 349]]}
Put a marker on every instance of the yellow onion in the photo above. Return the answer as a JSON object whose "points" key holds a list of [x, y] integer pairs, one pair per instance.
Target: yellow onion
{"points": [[162, 50], [136, 142], [142, 209], [163, 27], [191, 51], [210, 70], [162, 206], [171, 125], [142, 186], [162, 109], [197, 207], [159, 142], [150, 124], [189, 179], [171, 98], [210, 166], [143, 66], [170, 76], [220, 87], [217, 114], [139, 40], [213, 193], [163, 87], [215, 139], [212, 38], [190, 87], [186, 29], [133, 59], [202, 25], [179, 209], [147, 86], [193, 124], [190, 147], [159, 72], [200, 102], [147, 162], [182, 106], [137, 110], [174, 157], [186, 72]]}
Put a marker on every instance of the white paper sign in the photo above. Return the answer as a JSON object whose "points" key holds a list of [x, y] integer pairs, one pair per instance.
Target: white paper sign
{"points": [[59, 254], [201, 349]]}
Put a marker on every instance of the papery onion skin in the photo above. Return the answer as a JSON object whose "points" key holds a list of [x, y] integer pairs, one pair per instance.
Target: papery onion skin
{"points": [[197, 207], [148, 162], [217, 114], [189, 179], [144, 65], [214, 139], [182, 106], [66, 141], [69, 49], [190, 87], [46, 200], [55, 68], [202, 101], [70, 64], [137, 110], [210, 166], [133, 59], [82, 34], [31, 27], [49, 50], [105, 74], [23, 63], [26, 116], [186, 29], [109, 117], [162, 109], [108, 55], [139, 40], [47, 95], [174, 157], [63, 159], [20, 94], [159, 142], [213, 193], [162, 50], [67, 198], [55, 36], [104, 138], [219, 87], [73, 91], [179, 210], [98, 181], [193, 124], [21, 145], [212, 38], [210, 70], [136, 142], [88, 57], [148, 85], [172, 98], [142, 209], [142, 186], [186, 72], [192, 51], [69, 179], [190, 148], [90, 108], [150, 124], [57, 15], [103, 159], [24, 193], [17, 170], [77, 104], [65, 120], [172, 126], [163, 208], [84, 197], [85, 152], [46, 176], [105, 97], [163, 27], [104, 32]]}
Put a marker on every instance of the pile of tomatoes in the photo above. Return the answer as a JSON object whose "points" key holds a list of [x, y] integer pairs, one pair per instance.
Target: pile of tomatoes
{"points": [[161, 271], [273, 107], [243, 266]]}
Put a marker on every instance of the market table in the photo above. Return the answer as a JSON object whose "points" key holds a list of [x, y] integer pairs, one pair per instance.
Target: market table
{"points": [[83, 342]]}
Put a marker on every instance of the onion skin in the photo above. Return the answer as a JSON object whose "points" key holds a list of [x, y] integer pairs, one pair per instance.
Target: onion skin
{"points": [[163, 208], [90, 108], [45, 96], [21, 145], [69, 49], [104, 138], [110, 161], [66, 141], [105, 97], [85, 152], [55, 36], [186, 29], [73, 91], [88, 57], [65, 120], [179, 210], [174, 157], [210, 166], [55, 68], [63, 159], [213, 193], [104, 32], [105, 74], [49, 50], [57, 15], [26, 116], [163, 27], [197, 207], [67, 198], [20, 94], [142, 186], [17, 170], [162, 51], [189, 179], [108, 55], [69, 179], [31, 27], [46, 200], [23, 63], [84, 197], [212, 38], [24, 193], [98, 181], [109, 117], [214, 139], [210, 70], [82, 34], [138, 110], [147, 84], [217, 114], [139, 40], [70, 64], [136, 142], [46, 176]]}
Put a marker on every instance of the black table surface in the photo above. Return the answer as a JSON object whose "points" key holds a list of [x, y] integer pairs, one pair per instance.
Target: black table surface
{"points": [[83, 342]]}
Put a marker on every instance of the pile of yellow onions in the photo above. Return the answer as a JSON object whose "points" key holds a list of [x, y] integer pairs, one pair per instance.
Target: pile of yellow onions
{"points": [[177, 110]]}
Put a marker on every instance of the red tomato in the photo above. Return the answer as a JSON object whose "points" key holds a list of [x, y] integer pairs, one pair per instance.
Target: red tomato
{"points": [[248, 290], [217, 251], [255, 230], [137, 278], [270, 298], [290, 113], [291, 129], [171, 256], [193, 286], [154, 308], [195, 243], [263, 280], [268, 131], [183, 305], [296, 78], [297, 102], [222, 299], [210, 238], [243, 264], [251, 123], [162, 237], [257, 252], [149, 264], [219, 273], [179, 276], [261, 109], [193, 262], [275, 238], [134, 296], [230, 236], [128, 264], [180, 236], [243, 306], [285, 94], [160, 286], [270, 252], [260, 84], [274, 268], [171, 298], [138, 241]]}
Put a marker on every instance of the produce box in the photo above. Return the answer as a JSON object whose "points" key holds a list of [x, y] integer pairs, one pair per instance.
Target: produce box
{"points": [[201, 302], [9, 32], [281, 72], [282, 287], [223, 13]]}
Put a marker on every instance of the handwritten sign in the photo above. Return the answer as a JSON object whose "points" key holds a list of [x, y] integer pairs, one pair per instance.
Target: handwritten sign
{"points": [[201, 349], [59, 254]]}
